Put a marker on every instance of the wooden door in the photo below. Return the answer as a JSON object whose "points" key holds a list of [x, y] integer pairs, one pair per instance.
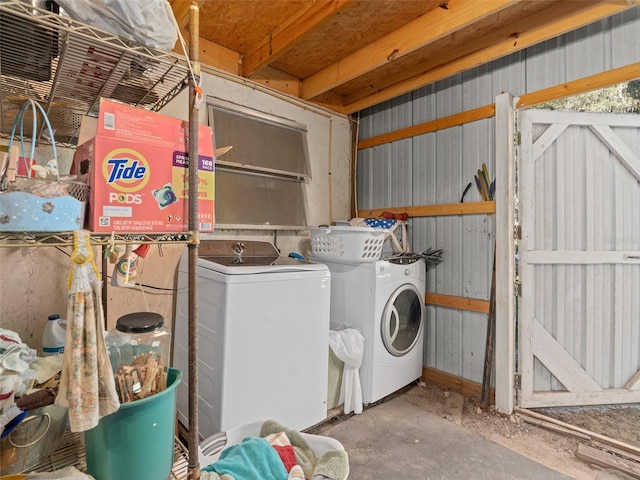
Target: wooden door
{"points": [[579, 258]]}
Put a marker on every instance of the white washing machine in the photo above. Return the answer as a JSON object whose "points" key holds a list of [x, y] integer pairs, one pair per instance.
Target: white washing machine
{"points": [[263, 334], [384, 300]]}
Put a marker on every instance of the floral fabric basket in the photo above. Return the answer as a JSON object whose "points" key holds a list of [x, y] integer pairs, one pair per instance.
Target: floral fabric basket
{"points": [[47, 202]]}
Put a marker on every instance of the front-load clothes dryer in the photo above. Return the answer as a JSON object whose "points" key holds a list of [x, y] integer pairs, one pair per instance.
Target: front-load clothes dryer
{"points": [[263, 334], [385, 302]]}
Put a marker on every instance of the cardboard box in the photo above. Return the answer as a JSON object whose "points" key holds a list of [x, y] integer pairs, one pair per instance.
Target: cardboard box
{"points": [[138, 172]]}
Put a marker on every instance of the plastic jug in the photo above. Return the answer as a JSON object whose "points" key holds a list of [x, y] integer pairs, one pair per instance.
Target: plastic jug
{"points": [[53, 337]]}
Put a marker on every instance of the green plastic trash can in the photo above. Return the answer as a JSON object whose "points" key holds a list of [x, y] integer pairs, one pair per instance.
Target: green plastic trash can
{"points": [[137, 441]]}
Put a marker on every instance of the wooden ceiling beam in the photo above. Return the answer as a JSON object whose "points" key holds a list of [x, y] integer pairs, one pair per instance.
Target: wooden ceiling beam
{"points": [[426, 29], [286, 36], [213, 55], [563, 18], [181, 11], [504, 35], [278, 80]]}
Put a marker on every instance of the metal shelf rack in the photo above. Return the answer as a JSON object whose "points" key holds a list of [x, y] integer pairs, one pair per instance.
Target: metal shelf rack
{"points": [[72, 453], [68, 66], [64, 239]]}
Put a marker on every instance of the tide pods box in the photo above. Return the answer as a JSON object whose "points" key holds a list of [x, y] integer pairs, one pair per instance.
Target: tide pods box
{"points": [[138, 171]]}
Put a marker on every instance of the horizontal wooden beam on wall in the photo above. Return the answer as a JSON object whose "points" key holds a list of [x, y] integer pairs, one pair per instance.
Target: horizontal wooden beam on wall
{"points": [[461, 385], [594, 82], [575, 87], [455, 120], [460, 303], [442, 209]]}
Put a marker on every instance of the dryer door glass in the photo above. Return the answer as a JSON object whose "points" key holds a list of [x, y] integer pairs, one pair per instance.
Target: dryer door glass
{"points": [[402, 320]]}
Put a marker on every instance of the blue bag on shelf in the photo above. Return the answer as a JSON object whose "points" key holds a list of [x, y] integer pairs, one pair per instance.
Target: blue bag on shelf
{"points": [[46, 202]]}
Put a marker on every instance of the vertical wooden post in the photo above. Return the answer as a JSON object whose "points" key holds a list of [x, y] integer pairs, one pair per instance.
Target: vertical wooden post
{"points": [[505, 254], [194, 440]]}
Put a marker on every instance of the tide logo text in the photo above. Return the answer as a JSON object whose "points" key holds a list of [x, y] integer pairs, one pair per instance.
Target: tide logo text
{"points": [[121, 170]]}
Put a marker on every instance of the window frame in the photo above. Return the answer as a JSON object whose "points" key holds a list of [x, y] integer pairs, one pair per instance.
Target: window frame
{"points": [[252, 168]]}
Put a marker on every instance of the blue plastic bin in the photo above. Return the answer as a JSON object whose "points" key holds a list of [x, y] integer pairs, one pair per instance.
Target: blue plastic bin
{"points": [[137, 441]]}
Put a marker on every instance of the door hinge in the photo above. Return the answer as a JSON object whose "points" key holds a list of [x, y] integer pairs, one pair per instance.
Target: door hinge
{"points": [[517, 232], [518, 138], [517, 289], [517, 381]]}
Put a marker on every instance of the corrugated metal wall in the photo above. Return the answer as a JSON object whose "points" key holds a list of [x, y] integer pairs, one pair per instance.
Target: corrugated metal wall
{"points": [[434, 168]]}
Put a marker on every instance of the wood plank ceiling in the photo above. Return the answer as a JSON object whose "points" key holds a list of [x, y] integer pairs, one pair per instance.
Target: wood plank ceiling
{"points": [[348, 55]]}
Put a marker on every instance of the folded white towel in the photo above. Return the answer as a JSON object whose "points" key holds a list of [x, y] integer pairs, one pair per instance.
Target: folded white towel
{"points": [[46, 367]]}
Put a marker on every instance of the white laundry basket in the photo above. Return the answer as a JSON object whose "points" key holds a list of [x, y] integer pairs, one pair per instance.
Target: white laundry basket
{"points": [[210, 448], [343, 244]]}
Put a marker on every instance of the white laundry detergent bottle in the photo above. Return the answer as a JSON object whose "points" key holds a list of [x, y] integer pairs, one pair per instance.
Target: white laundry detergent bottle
{"points": [[53, 337]]}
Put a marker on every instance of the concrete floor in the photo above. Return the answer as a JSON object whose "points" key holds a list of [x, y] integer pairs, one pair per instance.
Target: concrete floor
{"points": [[396, 440]]}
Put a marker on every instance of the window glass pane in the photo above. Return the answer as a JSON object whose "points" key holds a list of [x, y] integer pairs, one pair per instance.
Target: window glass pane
{"points": [[260, 142], [255, 199], [261, 181]]}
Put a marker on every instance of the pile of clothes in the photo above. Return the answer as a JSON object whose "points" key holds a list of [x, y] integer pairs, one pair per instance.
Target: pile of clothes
{"points": [[278, 453], [26, 380]]}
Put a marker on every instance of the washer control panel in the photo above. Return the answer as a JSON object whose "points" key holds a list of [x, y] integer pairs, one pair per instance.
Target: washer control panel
{"points": [[413, 269]]}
